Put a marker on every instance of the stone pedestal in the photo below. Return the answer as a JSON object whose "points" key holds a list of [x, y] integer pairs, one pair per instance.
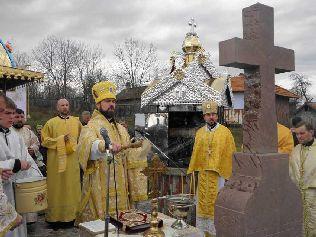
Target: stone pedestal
{"points": [[259, 199]]}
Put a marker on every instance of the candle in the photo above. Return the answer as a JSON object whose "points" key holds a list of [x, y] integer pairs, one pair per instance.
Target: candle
{"points": [[193, 183], [190, 185], [181, 183]]}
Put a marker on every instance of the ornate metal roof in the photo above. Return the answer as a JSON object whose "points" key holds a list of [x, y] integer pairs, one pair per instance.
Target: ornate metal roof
{"points": [[10, 75], [197, 82], [193, 78]]}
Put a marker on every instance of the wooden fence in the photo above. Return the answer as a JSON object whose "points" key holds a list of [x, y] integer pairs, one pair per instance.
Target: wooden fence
{"points": [[233, 116]]}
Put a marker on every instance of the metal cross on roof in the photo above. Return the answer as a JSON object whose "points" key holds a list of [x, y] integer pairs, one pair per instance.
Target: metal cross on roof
{"points": [[192, 23]]}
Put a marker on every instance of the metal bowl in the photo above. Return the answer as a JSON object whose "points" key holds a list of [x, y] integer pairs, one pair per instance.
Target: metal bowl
{"points": [[178, 206]]}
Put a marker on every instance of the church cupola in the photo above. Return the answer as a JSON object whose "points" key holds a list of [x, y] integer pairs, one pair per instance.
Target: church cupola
{"points": [[191, 43]]}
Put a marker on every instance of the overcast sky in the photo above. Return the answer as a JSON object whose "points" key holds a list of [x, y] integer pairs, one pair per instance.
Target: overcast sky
{"points": [[163, 23]]}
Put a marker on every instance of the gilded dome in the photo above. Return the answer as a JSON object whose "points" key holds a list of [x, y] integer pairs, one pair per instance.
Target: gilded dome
{"points": [[191, 43]]}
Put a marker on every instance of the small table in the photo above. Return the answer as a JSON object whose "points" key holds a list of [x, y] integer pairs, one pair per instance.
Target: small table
{"points": [[96, 229]]}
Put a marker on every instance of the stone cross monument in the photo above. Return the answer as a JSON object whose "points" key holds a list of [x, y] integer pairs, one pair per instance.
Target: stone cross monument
{"points": [[259, 199]]}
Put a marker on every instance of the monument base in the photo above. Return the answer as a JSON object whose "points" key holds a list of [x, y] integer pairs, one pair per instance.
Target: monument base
{"points": [[259, 199]]}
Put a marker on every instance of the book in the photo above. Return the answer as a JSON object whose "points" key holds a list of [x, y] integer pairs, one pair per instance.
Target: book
{"points": [[133, 221]]}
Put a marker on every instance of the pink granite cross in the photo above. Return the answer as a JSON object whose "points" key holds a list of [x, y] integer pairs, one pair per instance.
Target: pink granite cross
{"points": [[259, 199], [259, 57]]}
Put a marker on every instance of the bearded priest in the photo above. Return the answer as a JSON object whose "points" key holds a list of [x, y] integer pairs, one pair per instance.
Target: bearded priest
{"points": [[127, 184], [212, 159]]}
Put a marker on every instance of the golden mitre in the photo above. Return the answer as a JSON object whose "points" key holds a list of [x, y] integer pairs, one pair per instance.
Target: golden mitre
{"points": [[209, 107], [103, 90]]}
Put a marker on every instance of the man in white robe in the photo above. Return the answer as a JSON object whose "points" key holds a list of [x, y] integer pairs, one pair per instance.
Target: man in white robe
{"points": [[9, 218], [32, 144], [13, 148], [30, 139]]}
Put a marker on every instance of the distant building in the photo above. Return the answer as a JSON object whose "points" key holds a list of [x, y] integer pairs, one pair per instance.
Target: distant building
{"points": [[128, 101], [308, 112], [283, 97]]}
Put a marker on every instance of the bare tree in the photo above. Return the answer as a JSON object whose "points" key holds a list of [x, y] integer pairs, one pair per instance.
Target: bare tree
{"points": [[301, 84], [58, 59], [71, 68], [22, 59], [89, 72], [136, 63]]}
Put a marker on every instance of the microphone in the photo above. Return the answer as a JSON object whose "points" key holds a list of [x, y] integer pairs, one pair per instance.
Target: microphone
{"points": [[105, 136], [142, 132]]}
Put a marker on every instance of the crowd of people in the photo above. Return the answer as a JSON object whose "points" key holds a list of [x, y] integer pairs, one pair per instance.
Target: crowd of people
{"points": [[212, 161], [73, 155], [16, 158]]}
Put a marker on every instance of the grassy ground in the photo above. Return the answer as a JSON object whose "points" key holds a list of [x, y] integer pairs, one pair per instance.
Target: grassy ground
{"points": [[39, 116], [42, 229], [237, 133], [42, 115]]}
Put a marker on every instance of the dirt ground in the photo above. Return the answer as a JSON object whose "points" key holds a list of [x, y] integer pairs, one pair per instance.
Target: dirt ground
{"points": [[42, 229]]}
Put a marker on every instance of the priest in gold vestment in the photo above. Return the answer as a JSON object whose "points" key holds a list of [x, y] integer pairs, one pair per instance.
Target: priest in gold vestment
{"points": [[212, 158], [59, 136], [303, 174], [131, 185]]}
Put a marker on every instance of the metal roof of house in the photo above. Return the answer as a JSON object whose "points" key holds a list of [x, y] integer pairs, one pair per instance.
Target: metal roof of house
{"points": [[237, 84]]}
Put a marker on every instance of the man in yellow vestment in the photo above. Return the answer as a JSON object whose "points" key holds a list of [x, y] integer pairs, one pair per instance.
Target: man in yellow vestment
{"points": [[127, 184], [60, 135], [303, 174], [212, 158], [285, 139]]}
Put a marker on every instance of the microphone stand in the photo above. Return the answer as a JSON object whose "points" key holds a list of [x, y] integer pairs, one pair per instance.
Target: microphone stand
{"points": [[161, 152], [109, 159]]}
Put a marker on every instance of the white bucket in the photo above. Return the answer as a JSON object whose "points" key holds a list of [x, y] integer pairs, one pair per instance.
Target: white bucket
{"points": [[30, 194]]}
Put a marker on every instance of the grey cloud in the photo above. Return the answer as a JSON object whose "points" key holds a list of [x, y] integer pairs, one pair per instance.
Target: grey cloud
{"points": [[163, 23]]}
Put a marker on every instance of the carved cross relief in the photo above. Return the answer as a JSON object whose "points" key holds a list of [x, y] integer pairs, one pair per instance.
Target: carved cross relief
{"points": [[153, 171]]}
